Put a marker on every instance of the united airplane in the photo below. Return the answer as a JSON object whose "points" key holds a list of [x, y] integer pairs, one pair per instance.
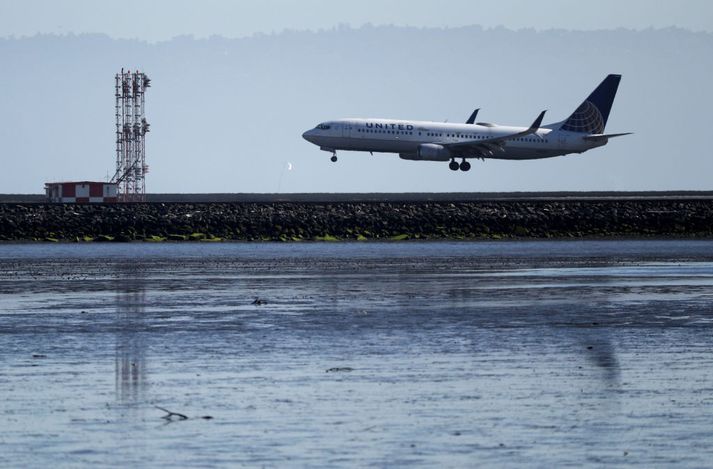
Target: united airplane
{"points": [[436, 141]]}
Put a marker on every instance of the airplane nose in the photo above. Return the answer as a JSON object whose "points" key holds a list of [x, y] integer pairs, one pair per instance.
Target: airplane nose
{"points": [[309, 136]]}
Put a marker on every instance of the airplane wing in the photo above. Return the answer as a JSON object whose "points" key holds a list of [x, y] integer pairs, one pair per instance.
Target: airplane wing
{"points": [[491, 145]]}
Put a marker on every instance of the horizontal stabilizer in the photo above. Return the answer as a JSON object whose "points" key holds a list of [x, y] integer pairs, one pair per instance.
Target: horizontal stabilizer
{"points": [[599, 137]]}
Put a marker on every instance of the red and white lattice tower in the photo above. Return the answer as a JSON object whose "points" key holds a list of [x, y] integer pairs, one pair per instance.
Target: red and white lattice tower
{"points": [[131, 129]]}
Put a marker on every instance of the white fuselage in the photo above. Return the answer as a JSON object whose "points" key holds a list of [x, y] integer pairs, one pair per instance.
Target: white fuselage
{"points": [[405, 137]]}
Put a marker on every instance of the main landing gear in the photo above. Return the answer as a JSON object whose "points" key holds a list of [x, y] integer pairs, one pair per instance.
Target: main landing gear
{"points": [[463, 166]]}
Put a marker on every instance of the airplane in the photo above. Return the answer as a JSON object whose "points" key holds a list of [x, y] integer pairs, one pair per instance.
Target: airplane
{"points": [[437, 141]]}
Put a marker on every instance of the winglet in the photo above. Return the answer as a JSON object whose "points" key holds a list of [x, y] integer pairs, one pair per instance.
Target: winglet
{"points": [[471, 119], [538, 122]]}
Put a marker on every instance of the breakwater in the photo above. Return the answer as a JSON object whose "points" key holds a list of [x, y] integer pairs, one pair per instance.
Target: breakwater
{"points": [[295, 221]]}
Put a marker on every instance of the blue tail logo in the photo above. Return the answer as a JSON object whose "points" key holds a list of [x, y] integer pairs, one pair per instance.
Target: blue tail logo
{"points": [[592, 115]]}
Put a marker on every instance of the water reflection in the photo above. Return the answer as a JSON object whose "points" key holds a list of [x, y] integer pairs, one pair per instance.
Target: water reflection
{"points": [[131, 370], [601, 353]]}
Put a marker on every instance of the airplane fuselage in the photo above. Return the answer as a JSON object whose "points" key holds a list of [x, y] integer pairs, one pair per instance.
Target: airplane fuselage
{"points": [[437, 141], [405, 137]]}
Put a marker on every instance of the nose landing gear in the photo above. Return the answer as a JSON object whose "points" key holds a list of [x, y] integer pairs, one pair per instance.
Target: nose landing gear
{"points": [[334, 157]]}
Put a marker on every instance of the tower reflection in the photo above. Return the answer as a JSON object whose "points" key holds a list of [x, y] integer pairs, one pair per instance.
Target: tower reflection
{"points": [[130, 326]]}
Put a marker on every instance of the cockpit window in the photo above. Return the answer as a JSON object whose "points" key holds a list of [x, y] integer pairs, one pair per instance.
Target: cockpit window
{"points": [[323, 127]]}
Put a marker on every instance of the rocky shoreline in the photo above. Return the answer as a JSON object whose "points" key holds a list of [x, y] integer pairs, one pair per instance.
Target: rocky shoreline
{"points": [[297, 221]]}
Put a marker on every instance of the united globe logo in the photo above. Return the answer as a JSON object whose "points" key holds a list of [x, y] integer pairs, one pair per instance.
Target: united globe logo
{"points": [[586, 119]]}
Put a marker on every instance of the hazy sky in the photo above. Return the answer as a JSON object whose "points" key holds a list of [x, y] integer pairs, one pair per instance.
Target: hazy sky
{"points": [[157, 20], [223, 137]]}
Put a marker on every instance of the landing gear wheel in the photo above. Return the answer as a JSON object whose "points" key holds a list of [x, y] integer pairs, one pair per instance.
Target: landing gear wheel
{"points": [[465, 166], [334, 158], [453, 165]]}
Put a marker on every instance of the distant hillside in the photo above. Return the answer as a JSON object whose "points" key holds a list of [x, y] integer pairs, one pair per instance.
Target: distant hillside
{"points": [[227, 114]]}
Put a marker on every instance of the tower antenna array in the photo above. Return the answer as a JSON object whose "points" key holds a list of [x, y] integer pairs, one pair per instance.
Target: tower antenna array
{"points": [[131, 129]]}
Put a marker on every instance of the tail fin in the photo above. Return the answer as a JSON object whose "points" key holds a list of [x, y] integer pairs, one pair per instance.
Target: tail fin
{"points": [[592, 115]]}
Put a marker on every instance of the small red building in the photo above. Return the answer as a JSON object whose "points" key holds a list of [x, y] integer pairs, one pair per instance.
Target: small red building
{"points": [[84, 192]]}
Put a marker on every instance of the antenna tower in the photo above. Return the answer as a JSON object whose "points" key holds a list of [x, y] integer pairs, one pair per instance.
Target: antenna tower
{"points": [[131, 129]]}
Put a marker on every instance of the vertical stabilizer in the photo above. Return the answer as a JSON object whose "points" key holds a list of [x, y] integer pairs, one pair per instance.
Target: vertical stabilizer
{"points": [[592, 115]]}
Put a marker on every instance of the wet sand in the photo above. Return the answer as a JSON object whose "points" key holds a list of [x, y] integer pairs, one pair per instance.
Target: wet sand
{"points": [[592, 353]]}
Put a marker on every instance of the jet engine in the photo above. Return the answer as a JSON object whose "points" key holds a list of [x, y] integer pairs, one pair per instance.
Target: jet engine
{"points": [[429, 152]]}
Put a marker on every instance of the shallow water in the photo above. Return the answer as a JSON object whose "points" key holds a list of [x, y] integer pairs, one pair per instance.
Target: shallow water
{"points": [[447, 354]]}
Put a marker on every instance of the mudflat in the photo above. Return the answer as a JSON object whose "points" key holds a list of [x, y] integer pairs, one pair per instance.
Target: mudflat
{"points": [[453, 354]]}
